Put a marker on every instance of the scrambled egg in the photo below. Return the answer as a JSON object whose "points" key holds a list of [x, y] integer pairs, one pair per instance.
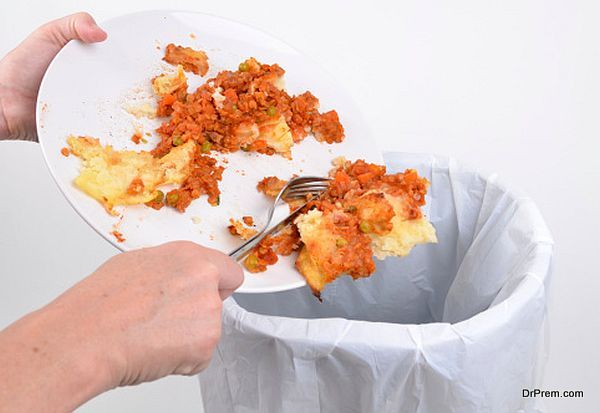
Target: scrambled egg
{"points": [[319, 246], [277, 135], [127, 177], [311, 272], [166, 84]]}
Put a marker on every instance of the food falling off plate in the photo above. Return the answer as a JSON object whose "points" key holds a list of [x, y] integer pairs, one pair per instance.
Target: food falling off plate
{"points": [[364, 213]]}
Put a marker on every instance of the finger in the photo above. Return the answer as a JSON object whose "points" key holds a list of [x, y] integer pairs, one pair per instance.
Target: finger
{"points": [[27, 63], [78, 26], [231, 273]]}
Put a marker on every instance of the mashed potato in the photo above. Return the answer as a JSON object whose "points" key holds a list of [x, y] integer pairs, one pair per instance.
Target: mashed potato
{"points": [[144, 110], [322, 258], [405, 233]]}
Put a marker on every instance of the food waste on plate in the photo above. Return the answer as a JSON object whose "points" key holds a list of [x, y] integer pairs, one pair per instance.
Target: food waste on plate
{"points": [[363, 213]]}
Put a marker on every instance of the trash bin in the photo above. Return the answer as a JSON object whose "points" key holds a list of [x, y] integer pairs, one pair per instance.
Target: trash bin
{"points": [[454, 327]]}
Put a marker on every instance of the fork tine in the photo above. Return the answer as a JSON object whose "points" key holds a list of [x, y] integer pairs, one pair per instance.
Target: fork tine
{"points": [[311, 184], [319, 187], [307, 190], [300, 195], [308, 185], [304, 191], [300, 179], [304, 197]]}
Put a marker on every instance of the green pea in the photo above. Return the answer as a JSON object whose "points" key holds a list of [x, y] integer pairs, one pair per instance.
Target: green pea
{"points": [[364, 226], [234, 106], [243, 67], [172, 198], [251, 261], [341, 242], [177, 140], [206, 147], [272, 111], [159, 196]]}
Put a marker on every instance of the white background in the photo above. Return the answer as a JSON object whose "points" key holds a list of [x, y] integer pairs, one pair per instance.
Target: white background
{"points": [[511, 87]]}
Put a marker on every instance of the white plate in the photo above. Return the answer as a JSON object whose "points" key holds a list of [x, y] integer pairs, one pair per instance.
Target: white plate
{"points": [[86, 88]]}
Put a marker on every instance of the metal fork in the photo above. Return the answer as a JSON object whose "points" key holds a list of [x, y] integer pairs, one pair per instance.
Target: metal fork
{"points": [[302, 187]]}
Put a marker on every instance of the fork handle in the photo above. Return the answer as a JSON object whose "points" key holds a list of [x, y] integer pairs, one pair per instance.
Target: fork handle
{"points": [[240, 252]]}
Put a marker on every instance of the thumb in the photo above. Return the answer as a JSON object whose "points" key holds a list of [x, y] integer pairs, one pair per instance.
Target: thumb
{"points": [[78, 26], [22, 69]]}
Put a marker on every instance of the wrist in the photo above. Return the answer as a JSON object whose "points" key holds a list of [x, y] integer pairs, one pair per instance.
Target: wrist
{"points": [[17, 107], [4, 129], [51, 363], [4, 132]]}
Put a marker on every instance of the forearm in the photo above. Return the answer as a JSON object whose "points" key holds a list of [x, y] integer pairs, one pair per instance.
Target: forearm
{"points": [[47, 365]]}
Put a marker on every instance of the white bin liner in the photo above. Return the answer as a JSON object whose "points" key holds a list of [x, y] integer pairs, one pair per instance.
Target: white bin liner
{"points": [[454, 327]]}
